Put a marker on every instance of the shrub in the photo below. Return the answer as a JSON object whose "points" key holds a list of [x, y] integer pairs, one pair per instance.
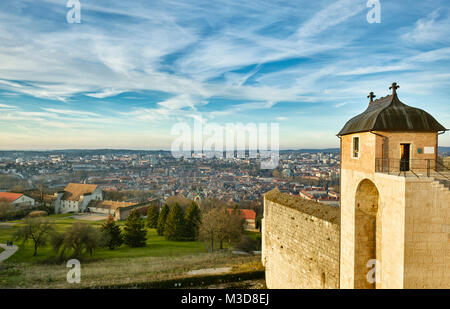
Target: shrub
{"points": [[246, 244], [10, 212], [37, 213], [78, 240]]}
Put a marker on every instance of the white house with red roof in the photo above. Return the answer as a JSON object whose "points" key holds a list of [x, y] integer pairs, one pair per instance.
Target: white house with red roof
{"points": [[16, 199]]}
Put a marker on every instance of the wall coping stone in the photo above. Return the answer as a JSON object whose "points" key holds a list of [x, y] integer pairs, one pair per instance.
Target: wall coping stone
{"points": [[312, 208]]}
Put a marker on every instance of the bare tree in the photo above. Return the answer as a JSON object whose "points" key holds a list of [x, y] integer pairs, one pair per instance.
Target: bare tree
{"points": [[41, 187], [36, 229], [210, 203], [220, 225]]}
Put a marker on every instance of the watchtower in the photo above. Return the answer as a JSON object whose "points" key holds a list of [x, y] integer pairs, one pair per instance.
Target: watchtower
{"points": [[395, 199]]}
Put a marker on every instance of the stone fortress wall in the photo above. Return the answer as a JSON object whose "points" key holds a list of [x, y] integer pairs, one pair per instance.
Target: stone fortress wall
{"points": [[300, 242]]}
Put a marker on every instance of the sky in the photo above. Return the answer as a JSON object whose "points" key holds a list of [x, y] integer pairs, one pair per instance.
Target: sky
{"points": [[131, 70]]}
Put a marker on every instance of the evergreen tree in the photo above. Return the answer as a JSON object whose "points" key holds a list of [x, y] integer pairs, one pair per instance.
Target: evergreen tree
{"points": [[192, 222], [135, 233], [162, 220], [174, 227], [258, 224], [112, 235], [152, 216]]}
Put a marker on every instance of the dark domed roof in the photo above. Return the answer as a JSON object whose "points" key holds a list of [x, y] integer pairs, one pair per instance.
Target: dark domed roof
{"points": [[389, 114]]}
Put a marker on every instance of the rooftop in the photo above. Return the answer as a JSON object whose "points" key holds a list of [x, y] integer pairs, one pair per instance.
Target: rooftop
{"points": [[10, 197], [247, 214], [74, 191], [113, 205], [390, 114]]}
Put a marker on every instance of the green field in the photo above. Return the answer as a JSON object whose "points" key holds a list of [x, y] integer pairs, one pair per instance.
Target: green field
{"points": [[156, 245], [160, 259]]}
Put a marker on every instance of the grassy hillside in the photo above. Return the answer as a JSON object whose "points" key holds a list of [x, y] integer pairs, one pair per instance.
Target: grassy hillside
{"points": [[156, 245], [159, 261], [121, 271]]}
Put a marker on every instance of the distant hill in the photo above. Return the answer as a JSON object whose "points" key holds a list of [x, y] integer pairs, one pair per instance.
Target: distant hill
{"points": [[307, 150], [444, 149], [82, 152], [131, 151], [312, 150]]}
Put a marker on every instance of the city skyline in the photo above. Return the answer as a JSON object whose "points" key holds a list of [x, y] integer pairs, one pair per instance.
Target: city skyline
{"points": [[126, 74]]}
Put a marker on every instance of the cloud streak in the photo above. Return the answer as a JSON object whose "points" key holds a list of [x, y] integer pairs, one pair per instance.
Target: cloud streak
{"points": [[141, 67]]}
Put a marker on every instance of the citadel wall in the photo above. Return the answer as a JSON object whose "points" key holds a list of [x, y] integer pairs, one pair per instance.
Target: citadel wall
{"points": [[300, 242]]}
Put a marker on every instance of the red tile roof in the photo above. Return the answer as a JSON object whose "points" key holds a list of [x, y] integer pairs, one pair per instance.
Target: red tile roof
{"points": [[10, 197], [246, 214]]}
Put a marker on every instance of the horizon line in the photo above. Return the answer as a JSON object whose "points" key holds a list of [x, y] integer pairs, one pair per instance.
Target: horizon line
{"points": [[167, 150]]}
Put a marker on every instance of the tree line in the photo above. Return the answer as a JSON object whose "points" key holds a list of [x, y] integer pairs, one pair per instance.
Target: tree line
{"points": [[217, 227]]}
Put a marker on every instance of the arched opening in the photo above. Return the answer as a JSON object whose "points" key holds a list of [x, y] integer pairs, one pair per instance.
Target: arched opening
{"points": [[367, 233]]}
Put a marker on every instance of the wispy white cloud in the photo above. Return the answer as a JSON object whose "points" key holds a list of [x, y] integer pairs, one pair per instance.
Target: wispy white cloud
{"points": [[247, 54], [330, 16], [241, 108], [431, 29], [69, 112], [431, 56], [281, 118], [105, 93], [7, 106]]}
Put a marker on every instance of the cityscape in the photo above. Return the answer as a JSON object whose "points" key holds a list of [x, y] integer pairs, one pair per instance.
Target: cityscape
{"points": [[232, 180], [248, 146]]}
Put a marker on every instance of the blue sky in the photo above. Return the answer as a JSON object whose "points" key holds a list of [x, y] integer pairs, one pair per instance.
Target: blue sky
{"points": [[132, 69]]}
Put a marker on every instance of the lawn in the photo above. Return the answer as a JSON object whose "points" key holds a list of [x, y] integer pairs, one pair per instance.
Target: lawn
{"points": [[159, 260], [156, 245], [252, 234]]}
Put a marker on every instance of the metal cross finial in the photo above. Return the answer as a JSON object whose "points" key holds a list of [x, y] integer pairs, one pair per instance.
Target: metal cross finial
{"points": [[394, 88], [371, 96]]}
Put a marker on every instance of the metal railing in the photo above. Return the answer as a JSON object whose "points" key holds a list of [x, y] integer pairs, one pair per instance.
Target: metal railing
{"points": [[416, 167]]}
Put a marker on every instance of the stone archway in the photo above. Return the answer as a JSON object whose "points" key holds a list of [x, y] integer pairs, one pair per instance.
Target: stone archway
{"points": [[367, 232]]}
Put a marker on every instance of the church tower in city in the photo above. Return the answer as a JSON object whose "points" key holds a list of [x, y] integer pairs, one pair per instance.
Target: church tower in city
{"points": [[395, 199]]}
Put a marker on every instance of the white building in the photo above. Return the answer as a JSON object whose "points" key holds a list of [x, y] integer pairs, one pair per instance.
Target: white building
{"points": [[16, 199], [76, 197]]}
